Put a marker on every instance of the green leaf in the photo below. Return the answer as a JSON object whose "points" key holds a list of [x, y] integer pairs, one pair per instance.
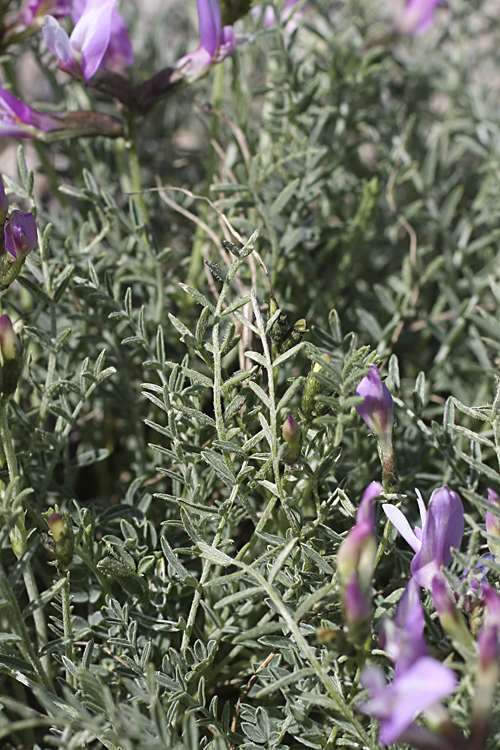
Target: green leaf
{"points": [[197, 296], [219, 465], [214, 555], [286, 194]]}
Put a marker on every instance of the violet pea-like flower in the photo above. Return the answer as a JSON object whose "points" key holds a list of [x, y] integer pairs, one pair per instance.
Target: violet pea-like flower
{"points": [[20, 234], [416, 17], [356, 554], [83, 52], [119, 54], [402, 638], [270, 18], [32, 10], [377, 408], [355, 562], [216, 41], [442, 529], [414, 690], [419, 681], [17, 120]]}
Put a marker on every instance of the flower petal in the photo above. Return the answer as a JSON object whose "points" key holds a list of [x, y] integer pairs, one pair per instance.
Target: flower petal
{"points": [[416, 17], [444, 528], [119, 54], [397, 705], [92, 33], [403, 637], [210, 20], [59, 44], [366, 511], [398, 519], [377, 408]]}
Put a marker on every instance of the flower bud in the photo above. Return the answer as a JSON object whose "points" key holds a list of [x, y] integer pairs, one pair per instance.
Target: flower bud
{"points": [[62, 532], [20, 238], [357, 555], [294, 335], [377, 411], [20, 234], [450, 618], [356, 609], [488, 670], [292, 437], [18, 536], [314, 387], [377, 408], [355, 563], [11, 351]]}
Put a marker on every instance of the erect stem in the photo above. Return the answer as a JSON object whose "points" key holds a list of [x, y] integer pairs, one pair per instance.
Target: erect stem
{"points": [[8, 446], [67, 624]]}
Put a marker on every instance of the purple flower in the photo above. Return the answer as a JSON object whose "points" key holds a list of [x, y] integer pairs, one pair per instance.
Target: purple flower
{"points": [[488, 670], [355, 604], [83, 52], [270, 19], [450, 618], [416, 17], [419, 681], [403, 637], [119, 54], [442, 529], [36, 9], [293, 439], [216, 41], [17, 120], [356, 554], [355, 561], [290, 430], [377, 408], [20, 235], [397, 705]]}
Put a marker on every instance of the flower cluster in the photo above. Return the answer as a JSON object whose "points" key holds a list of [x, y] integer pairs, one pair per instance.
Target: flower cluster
{"points": [[442, 529], [355, 564], [420, 681], [99, 50], [19, 239]]}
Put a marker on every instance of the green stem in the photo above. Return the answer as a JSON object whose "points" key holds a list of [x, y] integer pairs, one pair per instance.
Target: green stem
{"points": [[28, 575], [52, 175], [196, 262], [219, 417], [8, 446], [135, 176], [273, 422], [205, 574], [308, 652], [38, 616], [390, 476], [19, 628], [383, 543], [68, 626]]}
